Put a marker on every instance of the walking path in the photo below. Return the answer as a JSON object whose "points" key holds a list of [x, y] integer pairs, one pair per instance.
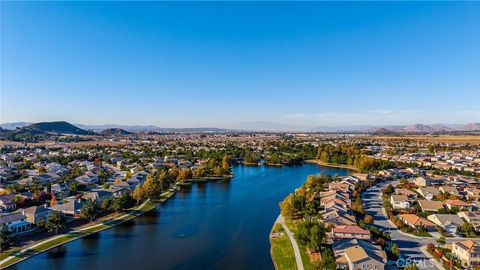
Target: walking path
{"points": [[296, 250]]}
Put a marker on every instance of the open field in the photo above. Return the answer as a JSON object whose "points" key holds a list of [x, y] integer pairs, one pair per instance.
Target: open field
{"points": [[461, 139]]}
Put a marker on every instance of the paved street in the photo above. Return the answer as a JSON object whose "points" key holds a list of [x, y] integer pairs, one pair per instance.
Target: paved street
{"points": [[409, 245]]}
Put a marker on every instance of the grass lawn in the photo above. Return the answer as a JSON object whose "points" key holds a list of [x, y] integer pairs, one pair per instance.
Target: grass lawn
{"points": [[282, 251], [307, 264]]}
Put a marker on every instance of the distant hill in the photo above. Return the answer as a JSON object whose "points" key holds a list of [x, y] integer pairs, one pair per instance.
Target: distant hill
{"points": [[114, 131], [470, 127], [61, 127], [11, 126]]}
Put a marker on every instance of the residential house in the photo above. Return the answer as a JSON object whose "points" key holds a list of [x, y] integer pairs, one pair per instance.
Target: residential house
{"points": [[399, 201], [334, 217], [97, 195], [16, 223], [350, 231], [422, 181], [365, 256], [450, 223], [71, 207], [458, 204], [471, 217], [449, 189], [60, 189], [428, 192], [468, 252], [416, 222], [36, 214], [7, 202], [430, 206], [412, 195]]}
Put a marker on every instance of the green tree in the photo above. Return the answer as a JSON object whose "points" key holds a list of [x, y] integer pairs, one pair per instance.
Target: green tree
{"points": [[395, 250], [90, 210], [5, 238], [55, 222]]}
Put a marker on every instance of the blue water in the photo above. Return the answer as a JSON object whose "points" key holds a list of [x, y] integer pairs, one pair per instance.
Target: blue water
{"points": [[214, 225]]}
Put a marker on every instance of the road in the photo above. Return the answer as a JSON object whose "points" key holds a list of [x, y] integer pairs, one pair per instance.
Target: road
{"points": [[409, 245], [296, 249]]}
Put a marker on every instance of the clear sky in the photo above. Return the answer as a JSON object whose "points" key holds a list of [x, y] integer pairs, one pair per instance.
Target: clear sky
{"points": [[192, 64]]}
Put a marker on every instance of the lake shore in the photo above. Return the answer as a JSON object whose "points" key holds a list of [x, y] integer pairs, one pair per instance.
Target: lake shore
{"points": [[58, 240], [321, 163]]}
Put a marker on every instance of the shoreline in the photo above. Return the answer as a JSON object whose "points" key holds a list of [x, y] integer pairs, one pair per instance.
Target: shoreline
{"points": [[341, 166], [71, 236]]}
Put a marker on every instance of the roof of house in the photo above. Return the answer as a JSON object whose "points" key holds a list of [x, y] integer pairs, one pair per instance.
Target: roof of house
{"points": [[406, 192], [431, 190], [11, 217], [446, 219], [349, 229], [416, 220], [469, 246], [364, 250], [399, 198], [7, 198], [457, 203], [449, 189], [35, 210], [426, 204]]}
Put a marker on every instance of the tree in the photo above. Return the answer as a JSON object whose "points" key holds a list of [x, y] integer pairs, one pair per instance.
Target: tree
{"points": [[286, 207], [53, 201], [5, 238], [368, 219], [90, 210], [185, 174], [139, 193], [441, 241], [152, 187], [55, 222], [225, 165], [395, 250]]}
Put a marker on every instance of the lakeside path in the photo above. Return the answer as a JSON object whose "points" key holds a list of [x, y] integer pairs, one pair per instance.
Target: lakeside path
{"points": [[296, 250], [61, 239]]}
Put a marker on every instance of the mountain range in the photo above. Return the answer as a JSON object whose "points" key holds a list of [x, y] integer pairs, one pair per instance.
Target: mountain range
{"points": [[113, 129]]}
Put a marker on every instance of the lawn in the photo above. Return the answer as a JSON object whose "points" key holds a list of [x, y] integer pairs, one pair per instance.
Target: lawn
{"points": [[307, 264], [282, 250]]}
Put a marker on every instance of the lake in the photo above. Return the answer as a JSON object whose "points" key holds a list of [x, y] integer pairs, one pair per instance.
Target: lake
{"points": [[213, 225]]}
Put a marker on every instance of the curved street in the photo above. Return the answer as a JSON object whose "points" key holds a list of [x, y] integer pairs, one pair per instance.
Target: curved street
{"points": [[296, 249], [409, 245]]}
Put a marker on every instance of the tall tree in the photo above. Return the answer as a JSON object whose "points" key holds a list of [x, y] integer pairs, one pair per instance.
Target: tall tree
{"points": [[90, 210], [55, 222]]}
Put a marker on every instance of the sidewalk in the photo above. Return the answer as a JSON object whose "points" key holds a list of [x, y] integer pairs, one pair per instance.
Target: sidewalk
{"points": [[296, 250]]}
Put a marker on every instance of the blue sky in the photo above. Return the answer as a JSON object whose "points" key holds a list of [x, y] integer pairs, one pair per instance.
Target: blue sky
{"points": [[190, 64]]}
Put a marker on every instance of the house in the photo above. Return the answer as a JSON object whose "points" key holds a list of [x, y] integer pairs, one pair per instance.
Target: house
{"points": [[350, 231], [7, 202], [16, 223], [399, 201], [412, 195], [335, 217], [71, 207], [365, 255], [97, 195], [416, 222], [468, 252], [449, 190], [459, 204], [36, 214], [430, 206], [422, 181], [472, 218], [428, 192], [60, 189], [450, 223]]}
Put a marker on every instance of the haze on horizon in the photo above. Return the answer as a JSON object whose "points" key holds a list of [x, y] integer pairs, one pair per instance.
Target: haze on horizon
{"points": [[192, 64]]}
